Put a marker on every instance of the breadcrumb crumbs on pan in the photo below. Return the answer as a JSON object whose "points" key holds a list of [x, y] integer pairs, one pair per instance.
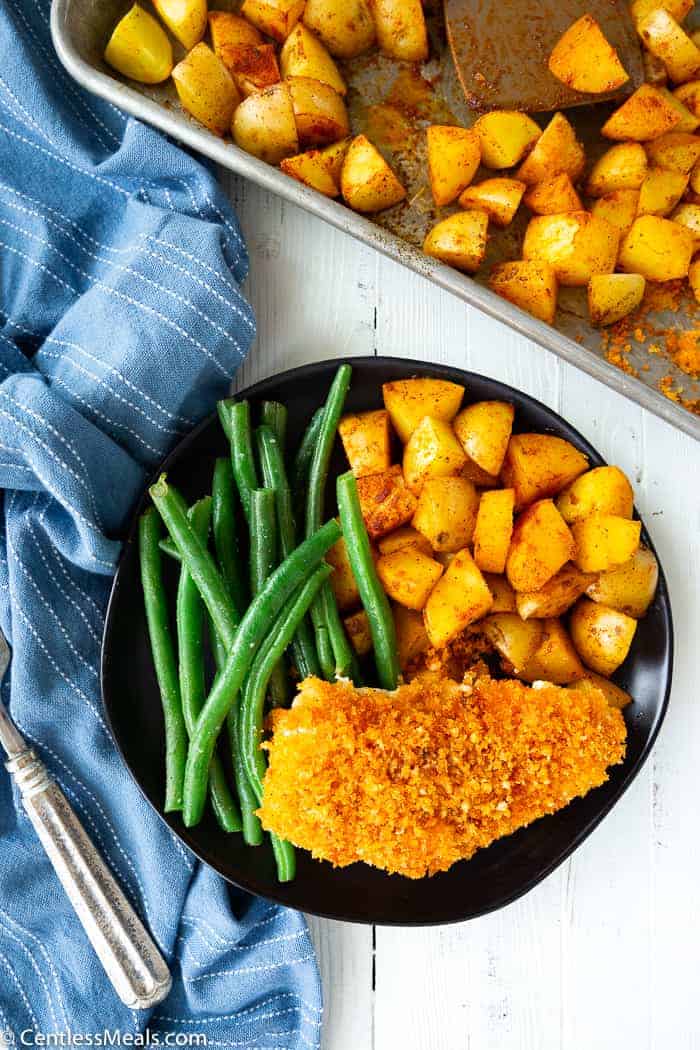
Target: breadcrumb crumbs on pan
{"points": [[415, 780]]}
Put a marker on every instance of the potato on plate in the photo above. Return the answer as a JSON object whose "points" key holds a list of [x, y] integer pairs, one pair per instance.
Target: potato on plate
{"points": [[229, 30], [604, 541], [614, 695], [367, 182], [206, 89], [540, 546], [408, 401], [459, 240], [540, 465], [602, 636], [602, 490], [454, 155], [401, 30], [515, 640], [408, 576], [585, 60], [139, 48], [528, 283], [576, 245], [311, 168], [346, 27], [483, 430], [656, 248], [612, 296], [555, 659], [505, 136], [676, 151], [662, 35], [446, 513], [556, 152], [342, 579], [460, 597], [276, 18], [630, 588], [359, 633], [186, 19], [645, 115], [386, 501], [366, 438], [622, 167], [411, 636], [319, 112], [678, 9], [303, 55], [558, 594], [406, 536], [264, 124], [553, 196], [619, 208], [688, 216], [501, 591], [432, 451], [499, 198], [493, 530], [661, 191]]}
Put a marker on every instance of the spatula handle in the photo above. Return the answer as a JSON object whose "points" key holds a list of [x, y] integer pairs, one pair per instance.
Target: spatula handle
{"points": [[130, 958]]}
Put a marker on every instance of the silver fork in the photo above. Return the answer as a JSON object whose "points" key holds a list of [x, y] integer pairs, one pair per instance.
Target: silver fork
{"points": [[130, 959]]}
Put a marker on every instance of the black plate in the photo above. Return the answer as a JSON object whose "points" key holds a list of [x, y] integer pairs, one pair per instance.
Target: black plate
{"points": [[494, 876]]}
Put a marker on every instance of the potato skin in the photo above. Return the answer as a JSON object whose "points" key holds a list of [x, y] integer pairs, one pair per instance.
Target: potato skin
{"points": [[540, 546], [401, 30], [206, 89], [139, 48], [366, 181], [264, 124], [612, 296], [311, 169], [483, 430], [602, 636], [540, 465], [460, 597], [346, 27], [494, 529], [386, 501], [408, 576], [432, 451], [453, 158], [656, 248], [186, 21], [603, 490], [459, 240], [319, 112], [604, 541], [629, 588], [276, 18], [303, 55], [446, 513], [408, 400]]}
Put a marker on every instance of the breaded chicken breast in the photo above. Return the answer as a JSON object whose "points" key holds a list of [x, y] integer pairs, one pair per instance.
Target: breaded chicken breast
{"points": [[414, 780]]}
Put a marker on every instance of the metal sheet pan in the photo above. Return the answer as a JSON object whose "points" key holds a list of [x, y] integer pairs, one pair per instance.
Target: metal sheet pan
{"points": [[393, 103]]}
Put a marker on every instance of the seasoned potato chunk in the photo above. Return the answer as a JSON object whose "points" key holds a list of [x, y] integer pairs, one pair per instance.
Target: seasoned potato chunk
{"points": [[614, 695], [630, 588], [602, 636], [446, 513], [557, 595], [408, 401], [584, 60], [264, 124], [619, 208], [555, 660], [678, 9], [505, 136], [432, 451], [499, 198], [342, 579], [662, 35], [576, 245], [406, 536], [411, 636], [515, 640], [540, 465], [206, 89], [687, 121], [303, 55], [366, 438], [252, 66], [483, 430], [275, 18], [645, 115], [688, 216], [460, 597], [459, 240], [553, 196], [311, 168], [604, 541], [689, 96], [676, 151], [386, 501], [453, 158], [502, 593], [603, 490], [334, 158], [186, 21], [530, 284], [661, 191], [540, 546], [346, 27], [367, 182], [556, 152], [408, 576], [230, 30], [493, 530], [622, 167], [319, 112], [612, 296], [359, 633], [656, 248], [139, 48], [401, 30]]}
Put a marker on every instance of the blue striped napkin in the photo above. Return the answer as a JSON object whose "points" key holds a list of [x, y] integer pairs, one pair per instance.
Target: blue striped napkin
{"points": [[121, 322]]}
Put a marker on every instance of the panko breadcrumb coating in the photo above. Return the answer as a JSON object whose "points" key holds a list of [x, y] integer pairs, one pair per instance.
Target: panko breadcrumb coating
{"points": [[414, 780]]}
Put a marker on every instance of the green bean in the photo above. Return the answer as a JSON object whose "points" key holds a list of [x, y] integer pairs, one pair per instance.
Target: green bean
{"points": [[263, 561], [241, 652], [374, 599], [223, 409], [190, 624], [274, 415], [302, 460], [168, 547], [345, 661], [242, 458], [275, 477], [225, 536], [164, 661], [285, 858]]}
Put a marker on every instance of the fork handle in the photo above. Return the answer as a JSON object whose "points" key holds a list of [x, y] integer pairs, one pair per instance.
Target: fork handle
{"points": [[130, 959]]}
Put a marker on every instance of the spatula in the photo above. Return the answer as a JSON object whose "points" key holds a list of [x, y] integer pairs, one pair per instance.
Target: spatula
{"points": [[501, 48]]}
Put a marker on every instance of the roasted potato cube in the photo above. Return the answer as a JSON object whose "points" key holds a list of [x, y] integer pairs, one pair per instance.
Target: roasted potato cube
{"points": [[602, 636], [264, 124], [555, 660], [656, 248], [499, 198], [386, 501], [603, 490], [460, 597], [366, 438], [584, 60], [276, 18], [408, 401], [540, 546], [206, 89], [678, 9], [676, 151], [334, 158], [432, 451], [688, 216], [540, 465], [408, 576], [612, 296], [139, 48], [319, 112], [661, 191], [483, 430], [515, 640], [446, 513], [342, 579], [411, 636], [604, 541], [615, 696], [505, 136], [687, 121], [406, 536], [481, 479], [459, 240], [662, 35], [557, 595], [553, 196], [229, 30], [630, 588], [645, 115], [619, 208], [575, 245], [528, 283], [401, 30], [186, 19], [311, 168], [359, 633], [556, 152], [689, 96], [622, 167], [502, 593], [346, 27], [453, 157], [493, 530], [367, 182], [303, 55], [695, 179], [252, 66]]}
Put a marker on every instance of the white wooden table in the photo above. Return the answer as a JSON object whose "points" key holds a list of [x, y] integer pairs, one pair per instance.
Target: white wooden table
{"points": [[605, 954]]}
